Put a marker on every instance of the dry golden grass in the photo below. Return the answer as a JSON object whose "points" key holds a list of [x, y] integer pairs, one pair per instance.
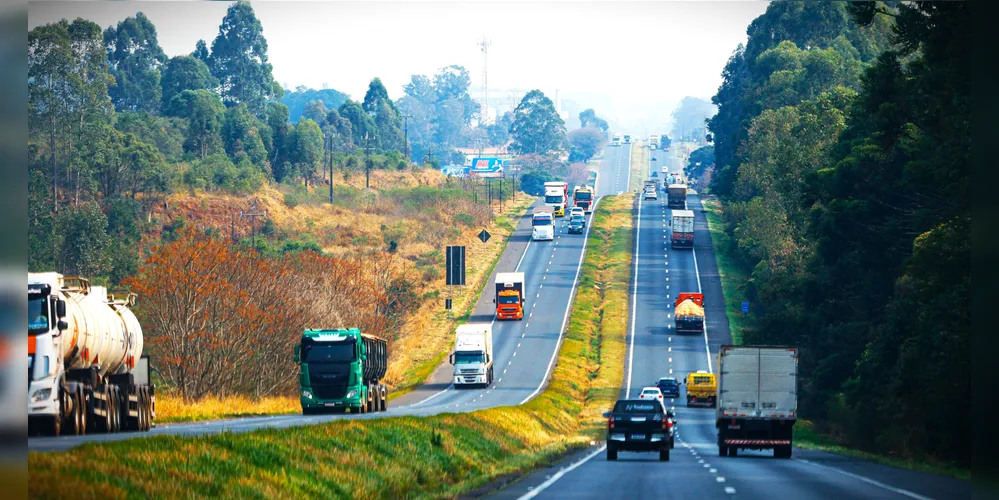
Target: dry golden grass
{"points": [[375, 458], [171, 408], [639, 166]]}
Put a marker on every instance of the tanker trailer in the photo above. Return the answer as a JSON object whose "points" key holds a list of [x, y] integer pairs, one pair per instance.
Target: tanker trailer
{"points": [[86, 372]]}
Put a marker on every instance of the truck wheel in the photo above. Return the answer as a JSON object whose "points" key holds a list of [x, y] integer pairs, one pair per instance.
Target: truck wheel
{"points": [[664, 454], [722, 450], [113, 409], [78, 414], [782, 452], [733, 451], [383, 391], [611, 453], [147, 411]]}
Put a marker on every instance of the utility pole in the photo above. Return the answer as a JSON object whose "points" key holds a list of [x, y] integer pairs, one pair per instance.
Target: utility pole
{"points": [[253, 222], [484, 44], [405, 121], [329, 160]]}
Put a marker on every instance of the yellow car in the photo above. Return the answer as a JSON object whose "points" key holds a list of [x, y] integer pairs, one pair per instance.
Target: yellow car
{"points": [[702, 388]]}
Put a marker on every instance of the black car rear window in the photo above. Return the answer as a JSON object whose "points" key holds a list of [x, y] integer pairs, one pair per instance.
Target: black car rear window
{"points": [[637, 406]]}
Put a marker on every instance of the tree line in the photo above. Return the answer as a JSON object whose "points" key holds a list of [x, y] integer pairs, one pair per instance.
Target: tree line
{"points": [[842, 146]]}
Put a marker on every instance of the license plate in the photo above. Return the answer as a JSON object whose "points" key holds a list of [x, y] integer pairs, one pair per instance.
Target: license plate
{"points": [[638, 436], [330, 404]]}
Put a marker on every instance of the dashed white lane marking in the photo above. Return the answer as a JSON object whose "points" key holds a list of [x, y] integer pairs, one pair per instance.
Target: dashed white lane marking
{"points": [[720, 479], [730, 490], [713, 471]]}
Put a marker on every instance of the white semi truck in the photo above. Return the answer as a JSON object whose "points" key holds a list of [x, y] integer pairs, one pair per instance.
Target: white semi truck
{"points": [[757, 404], [86, 371], [473, 355]]}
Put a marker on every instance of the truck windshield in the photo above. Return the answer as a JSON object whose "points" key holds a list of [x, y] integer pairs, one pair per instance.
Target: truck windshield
{"points": [[38, 315], [328, 352], [465, 358], [553, 199], [509, 299], [584, 196], [702, 380], [543, 221]]}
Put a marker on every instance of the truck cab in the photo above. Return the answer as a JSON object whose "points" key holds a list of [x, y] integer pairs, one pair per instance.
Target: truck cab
{"points": [[682, 225], [616, 141], [473, 355], [556, 197], [543, 224], [341, 369], [583, 197], [676, 196], [509, 296]]}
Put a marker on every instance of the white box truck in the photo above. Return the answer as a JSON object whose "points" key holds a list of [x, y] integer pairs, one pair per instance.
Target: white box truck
{"points": [[543, 224], [473, 355], [757, 398]]}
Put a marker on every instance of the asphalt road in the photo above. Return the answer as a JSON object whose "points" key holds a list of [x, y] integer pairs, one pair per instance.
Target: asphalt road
{"points": [[524, 351], [695, 469]]}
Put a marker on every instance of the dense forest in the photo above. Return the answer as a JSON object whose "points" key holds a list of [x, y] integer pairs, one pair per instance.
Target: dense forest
{"points": [[842, 147]]}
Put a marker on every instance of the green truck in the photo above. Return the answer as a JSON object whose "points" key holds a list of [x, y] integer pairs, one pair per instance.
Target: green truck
{"points": [[340, 370]]}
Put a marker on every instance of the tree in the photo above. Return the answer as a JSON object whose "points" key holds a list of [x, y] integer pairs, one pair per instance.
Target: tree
{"points": [[185, 73], [421, 89], [201, 52], [451, 84], [589, 117], [537, 128], [135, 58], [363, 127], [315, 111], [301, 97], [499, 130], [205, 115], [700, 160], [376, 93], [689, 118], [281, 130], [584, 143], [389, 123], [239, 60], [241, 137], [308, 149], [83, 241]]}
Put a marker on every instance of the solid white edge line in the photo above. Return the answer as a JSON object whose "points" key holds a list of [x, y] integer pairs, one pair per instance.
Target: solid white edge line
{"points": [[634, 298], [493, 322], [707, 349], [867, 480], [543, 486], [568, 309]]}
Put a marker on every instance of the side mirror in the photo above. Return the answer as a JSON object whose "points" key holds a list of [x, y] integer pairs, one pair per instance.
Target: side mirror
{"points": [[61, 308], [450, 359], [298, 349], [62, 325], [607, 414]]}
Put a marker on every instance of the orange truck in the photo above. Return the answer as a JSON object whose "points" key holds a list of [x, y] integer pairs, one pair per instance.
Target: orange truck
{"points": [[509, 296], [689, 312]]}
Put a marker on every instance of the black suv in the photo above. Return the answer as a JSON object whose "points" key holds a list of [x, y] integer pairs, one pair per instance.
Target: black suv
{"points": [[638, 425], [669, 387]]}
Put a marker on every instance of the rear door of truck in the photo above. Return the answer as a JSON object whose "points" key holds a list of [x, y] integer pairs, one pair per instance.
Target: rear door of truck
{"points": [[778, 396], [638, 419], [739, 382]]}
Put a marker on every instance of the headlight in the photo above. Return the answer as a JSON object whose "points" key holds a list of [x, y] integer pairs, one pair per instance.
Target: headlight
{"points": [[41, 395], [307, 394], [352, 394]]}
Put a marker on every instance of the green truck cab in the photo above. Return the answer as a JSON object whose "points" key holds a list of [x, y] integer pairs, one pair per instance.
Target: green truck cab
{"points": [[341, 369]]}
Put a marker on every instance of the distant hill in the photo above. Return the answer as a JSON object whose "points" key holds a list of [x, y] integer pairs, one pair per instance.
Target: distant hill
{"points": [[298, 99]]}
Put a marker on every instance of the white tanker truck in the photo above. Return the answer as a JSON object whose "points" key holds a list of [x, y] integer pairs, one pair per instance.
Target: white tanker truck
{"points": [[86, 372]]}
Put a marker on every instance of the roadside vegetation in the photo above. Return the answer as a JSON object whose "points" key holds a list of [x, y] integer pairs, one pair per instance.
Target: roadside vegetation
{"points": [[172, 408], [842, 152], [639, 165], [374, 458], [734, 277]]}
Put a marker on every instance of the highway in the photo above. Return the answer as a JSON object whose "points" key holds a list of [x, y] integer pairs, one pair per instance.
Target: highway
{"points": [[695, 469], [524, 351]]}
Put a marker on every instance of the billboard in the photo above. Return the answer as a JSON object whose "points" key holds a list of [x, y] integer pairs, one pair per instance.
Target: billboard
{"points": [[486, 167]]}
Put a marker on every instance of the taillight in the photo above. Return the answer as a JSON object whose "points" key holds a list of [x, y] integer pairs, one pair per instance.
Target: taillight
{"points": [[610, 423], [667, 424]]}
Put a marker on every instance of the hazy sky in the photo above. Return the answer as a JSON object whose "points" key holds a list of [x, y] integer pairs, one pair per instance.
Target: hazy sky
{"points": [[631, 61]]}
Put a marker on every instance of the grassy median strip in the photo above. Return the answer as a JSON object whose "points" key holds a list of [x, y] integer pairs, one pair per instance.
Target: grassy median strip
{"points": [[639, 166], [439, 456], [733, 274]]}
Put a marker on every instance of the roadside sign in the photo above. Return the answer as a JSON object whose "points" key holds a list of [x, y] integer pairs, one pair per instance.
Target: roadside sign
{"points": [[484, 236], [447, 304], [745, 307], [455, 265]]}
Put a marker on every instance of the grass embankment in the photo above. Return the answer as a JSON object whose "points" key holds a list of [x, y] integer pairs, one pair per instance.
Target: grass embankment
{"points": [[171, 408], [734, 275], [639, 166], [808, 437], [454, 453]]}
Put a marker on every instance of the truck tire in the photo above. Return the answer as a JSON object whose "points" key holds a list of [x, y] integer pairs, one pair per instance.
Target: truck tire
{"points": [[147, 411], [733, 451], [664, 454], [384, 397], [113, 409], [782, 452], [78, 418], [611, 453], [722, 450]]}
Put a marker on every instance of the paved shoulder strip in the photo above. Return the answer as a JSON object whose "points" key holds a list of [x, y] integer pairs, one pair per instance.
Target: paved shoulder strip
{"points": [[543, 486], [867, 480]]}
